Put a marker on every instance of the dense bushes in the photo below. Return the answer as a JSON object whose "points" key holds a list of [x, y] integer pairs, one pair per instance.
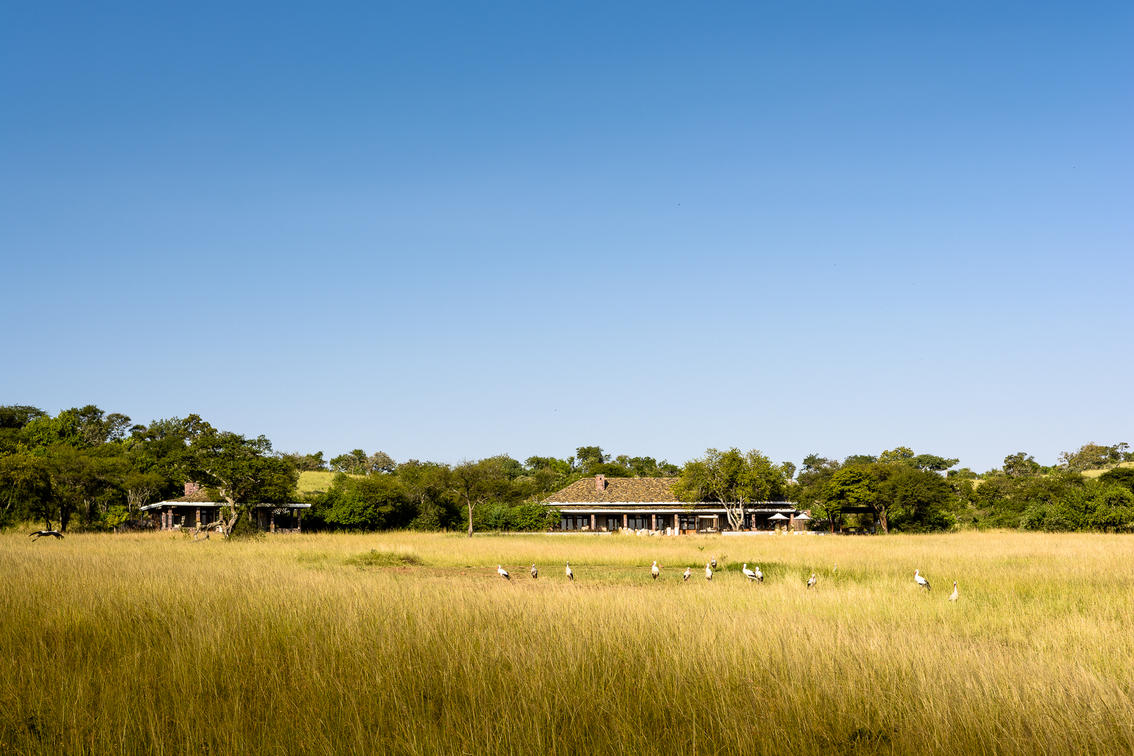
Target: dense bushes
{"points": [[1060, 501], [381, 501]]}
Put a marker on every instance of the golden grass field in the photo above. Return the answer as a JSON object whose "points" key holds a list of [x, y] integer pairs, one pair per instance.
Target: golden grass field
{"points": [[410, 643]]}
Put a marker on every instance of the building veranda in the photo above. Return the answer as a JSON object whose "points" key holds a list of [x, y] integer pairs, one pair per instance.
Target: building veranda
{"points": [[196, 509], [611, 505]]}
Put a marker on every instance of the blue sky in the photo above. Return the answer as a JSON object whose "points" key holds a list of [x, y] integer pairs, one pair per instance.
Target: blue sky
{"points": [[450, 231]]}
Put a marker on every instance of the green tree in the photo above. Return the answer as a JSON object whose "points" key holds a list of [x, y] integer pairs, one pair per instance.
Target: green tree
{"points": [[1112, 508], [1021, 465], [912, 499], [306, 462], [242, 470], [1122, 476], [1094, 456], [374, 502], [590, 457], [429, 487], [733, 479], [13, 418], [851, 487], [474, 483], [25, 488]]}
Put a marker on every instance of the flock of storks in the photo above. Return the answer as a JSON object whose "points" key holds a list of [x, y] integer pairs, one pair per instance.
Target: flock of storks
{"points": [[756, 575]]}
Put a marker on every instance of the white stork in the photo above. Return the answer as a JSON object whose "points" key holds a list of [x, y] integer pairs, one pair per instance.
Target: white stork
{"points": [[714, 562], [759, 574], [535, 573], [812, 580], [685, 577], [917, 576], [747, 572], [655, 570], [503, 572], [708, 570], [570, 575], [953, 596]]}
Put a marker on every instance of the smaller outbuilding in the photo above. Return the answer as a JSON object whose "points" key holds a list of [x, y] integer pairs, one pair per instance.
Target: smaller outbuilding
{"points": [[196, 508]]}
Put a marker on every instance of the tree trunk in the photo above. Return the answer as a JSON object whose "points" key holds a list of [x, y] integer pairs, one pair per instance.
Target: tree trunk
{"points": [[884, 521], [470, 506], [735, 514], [228, 523]]}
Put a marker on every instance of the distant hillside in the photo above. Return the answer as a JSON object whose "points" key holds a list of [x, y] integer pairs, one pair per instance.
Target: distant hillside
{"points": [[1097, 473], [314, 481]]}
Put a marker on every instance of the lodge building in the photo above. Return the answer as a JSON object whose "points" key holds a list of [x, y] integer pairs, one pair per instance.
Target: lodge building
{"points": [[196, 509], [610, 505]]}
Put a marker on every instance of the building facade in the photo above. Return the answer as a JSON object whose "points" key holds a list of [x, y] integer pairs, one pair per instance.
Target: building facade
{"points": [[196, 509], [610, 505]]}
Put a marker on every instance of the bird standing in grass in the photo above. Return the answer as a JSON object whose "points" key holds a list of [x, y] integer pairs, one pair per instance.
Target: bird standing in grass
{"points": [[747, 572], [714, 562], [570, 575], [759, 574], [812, 580], [503, 572], [535, 572], [708, 571], [655, 570], [953, 596], [685, 577], [920, 580]]}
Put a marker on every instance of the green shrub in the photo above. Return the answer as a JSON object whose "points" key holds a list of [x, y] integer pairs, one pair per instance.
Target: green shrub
{"points": [[376, 558]]}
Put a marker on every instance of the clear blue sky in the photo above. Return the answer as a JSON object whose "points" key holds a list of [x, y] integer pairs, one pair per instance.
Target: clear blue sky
{"points": [[455, 231]]}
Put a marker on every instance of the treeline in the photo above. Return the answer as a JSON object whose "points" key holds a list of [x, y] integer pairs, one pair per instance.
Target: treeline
{"points": [[88, 469], [372, 492]]}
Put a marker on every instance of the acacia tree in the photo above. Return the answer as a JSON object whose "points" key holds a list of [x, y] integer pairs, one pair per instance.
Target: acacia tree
{"points": [[243, 472], [732, 479], [475, 483]]}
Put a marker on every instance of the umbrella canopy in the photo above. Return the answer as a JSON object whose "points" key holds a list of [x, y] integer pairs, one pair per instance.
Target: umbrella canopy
{"points": [[777, 516], [803, 516]]}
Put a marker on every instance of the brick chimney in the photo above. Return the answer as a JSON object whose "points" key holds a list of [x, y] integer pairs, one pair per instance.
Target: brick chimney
{"points": [[191, 488], [600, 483]]}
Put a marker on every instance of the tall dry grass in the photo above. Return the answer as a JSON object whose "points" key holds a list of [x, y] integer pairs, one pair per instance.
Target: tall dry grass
{"points": [[293, 644]]}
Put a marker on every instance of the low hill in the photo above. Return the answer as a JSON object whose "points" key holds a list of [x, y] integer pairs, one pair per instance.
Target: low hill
{"points": [[1097, 473], [314, 481]]}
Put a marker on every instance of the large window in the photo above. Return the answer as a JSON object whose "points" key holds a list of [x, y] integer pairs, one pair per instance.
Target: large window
{"points": [[574, 522]]}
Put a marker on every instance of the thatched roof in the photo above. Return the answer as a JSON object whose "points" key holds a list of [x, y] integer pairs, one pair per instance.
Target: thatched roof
{"points": [[621, 490]]}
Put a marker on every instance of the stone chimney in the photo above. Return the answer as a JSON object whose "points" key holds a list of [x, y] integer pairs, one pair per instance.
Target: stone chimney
{"points": [[600, 483], [191, 488]]}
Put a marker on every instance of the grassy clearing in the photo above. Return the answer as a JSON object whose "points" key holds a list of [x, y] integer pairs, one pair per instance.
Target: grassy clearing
{"points": [[410, 643], [1100, 471], [314, 481]]}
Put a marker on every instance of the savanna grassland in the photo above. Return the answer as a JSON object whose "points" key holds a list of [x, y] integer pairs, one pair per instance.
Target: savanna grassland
{"points": [[410, 643]]}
